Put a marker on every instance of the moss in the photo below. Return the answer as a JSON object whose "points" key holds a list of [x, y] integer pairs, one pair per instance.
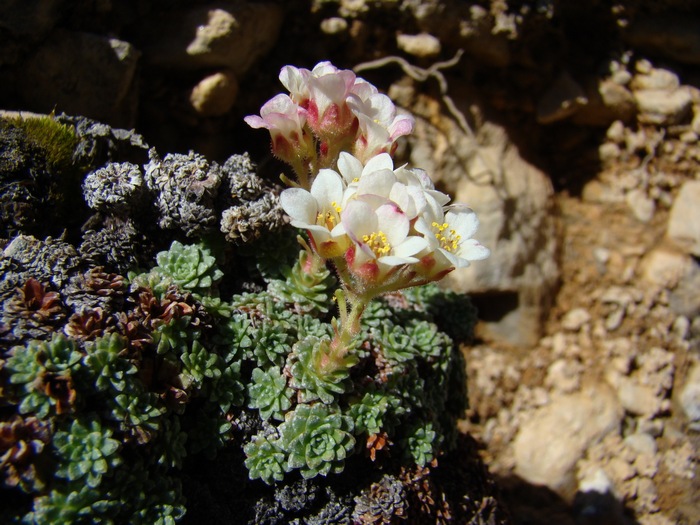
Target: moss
{"points": [[57, 140]]}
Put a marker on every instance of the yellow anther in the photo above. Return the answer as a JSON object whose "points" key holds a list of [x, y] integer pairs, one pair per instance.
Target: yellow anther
{"points": [[449, 240], [335, 206], [378, 243]]}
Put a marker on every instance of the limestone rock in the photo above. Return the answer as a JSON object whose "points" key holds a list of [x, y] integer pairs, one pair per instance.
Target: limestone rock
{"points": [[226, 34], [607, 102], [664, 108], [555, 438], [684, 222], [421, 45], [215, 94], [82, 74], [665, 267], [690, 397]]}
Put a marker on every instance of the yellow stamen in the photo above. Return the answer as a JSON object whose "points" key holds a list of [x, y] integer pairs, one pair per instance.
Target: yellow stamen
{"points": [[329, 219], [377, 242], [449, 239]]}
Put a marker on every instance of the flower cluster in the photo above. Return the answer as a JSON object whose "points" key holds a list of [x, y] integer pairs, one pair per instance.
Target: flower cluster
{"points": [[329, 110], [384, 228], [389, 227]]}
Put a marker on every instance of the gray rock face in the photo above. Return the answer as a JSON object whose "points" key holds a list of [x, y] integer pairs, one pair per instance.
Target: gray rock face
{"points": [[82, 74], [517, 225], [513, 201]]}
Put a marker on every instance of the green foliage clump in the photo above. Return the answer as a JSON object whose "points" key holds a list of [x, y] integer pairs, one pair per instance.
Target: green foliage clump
{"points": [[181, 366], [317, 440], [191, 268], [269, 393], [85, 452]]}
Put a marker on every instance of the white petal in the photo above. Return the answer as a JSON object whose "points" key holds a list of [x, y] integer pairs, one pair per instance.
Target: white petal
{"points": [[472, 250], [377, 183], [359, 219], [299, 204], [464, 223], [393, 260], [350, 167], [379, 162], [327, 188], [411, 246]]}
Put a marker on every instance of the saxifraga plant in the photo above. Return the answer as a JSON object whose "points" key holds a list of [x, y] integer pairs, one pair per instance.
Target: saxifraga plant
{"points": [[300, 377]]}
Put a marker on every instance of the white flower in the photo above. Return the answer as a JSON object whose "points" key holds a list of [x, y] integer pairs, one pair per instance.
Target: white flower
{"points": [[449, 240], [318, 211], [379, 230]]}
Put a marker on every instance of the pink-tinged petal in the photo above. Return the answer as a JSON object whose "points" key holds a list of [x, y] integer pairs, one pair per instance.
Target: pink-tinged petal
{"points": [[393, 222], [256, 122], [327, 188], [402, 125], [300, 205]]}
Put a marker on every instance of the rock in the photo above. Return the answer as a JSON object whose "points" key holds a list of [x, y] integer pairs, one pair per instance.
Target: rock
{"points": [[641, 205], [616, 132], [656, 78], [690, 397], [422, 45], [514, 287], [215, 94], [663, 108], [607, 102], [638, 399], [82, 74], [227, 34], [478, 38], [684, 221], [575, 319], [673, 36], [334, 25], [564, 375], [561, 100], [555, 438], [642, 443]]}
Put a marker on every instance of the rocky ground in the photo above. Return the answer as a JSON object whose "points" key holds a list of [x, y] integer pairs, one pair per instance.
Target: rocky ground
{"points": [[573, 129]]}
